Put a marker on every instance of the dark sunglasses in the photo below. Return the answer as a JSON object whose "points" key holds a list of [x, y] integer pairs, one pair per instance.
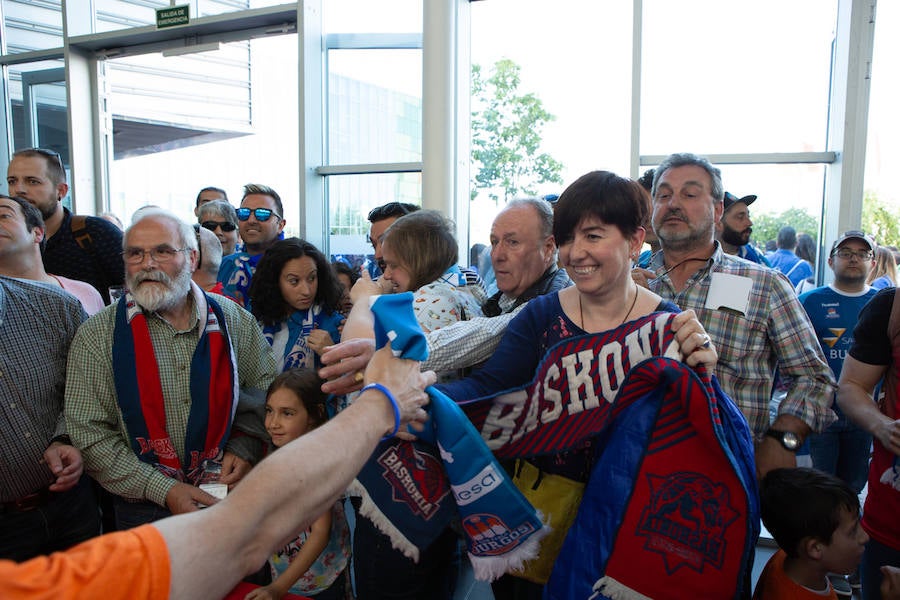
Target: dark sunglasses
{"points": [[226, 226], [261, 214]]}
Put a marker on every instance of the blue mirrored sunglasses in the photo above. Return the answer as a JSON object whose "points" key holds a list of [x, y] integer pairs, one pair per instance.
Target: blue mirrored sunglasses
{"points": [[261, 214]]}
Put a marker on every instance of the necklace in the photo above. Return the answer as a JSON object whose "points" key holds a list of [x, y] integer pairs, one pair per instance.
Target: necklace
{"points": [[676, 265], [625, 318]]}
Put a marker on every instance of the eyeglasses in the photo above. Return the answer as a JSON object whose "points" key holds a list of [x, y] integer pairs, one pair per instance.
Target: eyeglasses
{"points": [[261, 214], [846, 254], [225, 226], [160, 254]]}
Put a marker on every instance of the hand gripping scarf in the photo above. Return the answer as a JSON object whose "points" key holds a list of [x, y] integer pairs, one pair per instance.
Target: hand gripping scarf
{"points": [[411, 491], [671, 503], [213, 390], [582, 389]]}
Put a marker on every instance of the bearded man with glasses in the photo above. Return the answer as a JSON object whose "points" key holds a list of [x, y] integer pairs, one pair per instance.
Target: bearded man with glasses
{"points": [[152, 382], [78, 247], [260, 222]]}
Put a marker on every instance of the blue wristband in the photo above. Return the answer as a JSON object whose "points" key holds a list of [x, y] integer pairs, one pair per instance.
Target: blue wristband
{"points": [[394, 405]]}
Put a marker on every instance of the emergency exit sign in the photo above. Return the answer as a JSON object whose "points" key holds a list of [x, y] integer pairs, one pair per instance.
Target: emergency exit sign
{"points": [[172, 16]]}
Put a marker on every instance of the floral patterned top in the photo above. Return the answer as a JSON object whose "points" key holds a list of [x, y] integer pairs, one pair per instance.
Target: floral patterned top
{"points": [[445, 301], [330, 564]]}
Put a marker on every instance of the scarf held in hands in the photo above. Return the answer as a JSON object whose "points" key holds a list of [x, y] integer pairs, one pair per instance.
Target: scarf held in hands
{"points": [[661, 430]]}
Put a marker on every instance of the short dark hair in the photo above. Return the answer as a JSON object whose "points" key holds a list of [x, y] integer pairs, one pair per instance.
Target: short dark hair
{"points": [[257, 188], [32, 216], [266, 302], [787, 238], [307, 385], [55, 169], [424, 243], [211, 189], [391, 210], [614, 200], [801, 503]]}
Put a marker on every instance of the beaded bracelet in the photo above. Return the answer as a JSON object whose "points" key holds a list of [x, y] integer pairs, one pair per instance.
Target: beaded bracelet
{"points": [[394, 405]]}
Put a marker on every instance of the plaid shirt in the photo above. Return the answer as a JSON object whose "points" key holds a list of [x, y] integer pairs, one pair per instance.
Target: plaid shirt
{"points": [[775, 331], [468, 343], [37, 323], [92, 413]]}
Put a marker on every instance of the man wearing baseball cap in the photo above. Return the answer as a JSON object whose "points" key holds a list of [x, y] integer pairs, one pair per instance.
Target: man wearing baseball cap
{"points": [[735, 227]]}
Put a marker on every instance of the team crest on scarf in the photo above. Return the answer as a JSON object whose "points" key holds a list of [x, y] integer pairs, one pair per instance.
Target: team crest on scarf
{"points": [[417, 478], [686, 520]]}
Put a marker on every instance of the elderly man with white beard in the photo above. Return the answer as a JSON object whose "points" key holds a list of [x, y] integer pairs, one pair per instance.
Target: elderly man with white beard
{"points": [[152, 393]]}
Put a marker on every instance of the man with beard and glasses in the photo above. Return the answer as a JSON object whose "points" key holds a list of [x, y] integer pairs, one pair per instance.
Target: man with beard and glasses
{"points": [[152, 395], [260, 221], [735, 228], [77, 247], [751, 313]]}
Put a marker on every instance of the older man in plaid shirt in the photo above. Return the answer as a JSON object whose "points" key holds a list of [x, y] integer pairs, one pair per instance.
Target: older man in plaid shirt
{"points": [[751, 313]]}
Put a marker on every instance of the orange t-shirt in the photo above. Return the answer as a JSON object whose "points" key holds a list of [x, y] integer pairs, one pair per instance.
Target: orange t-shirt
{"points": [[125, 564], [774, 584]]}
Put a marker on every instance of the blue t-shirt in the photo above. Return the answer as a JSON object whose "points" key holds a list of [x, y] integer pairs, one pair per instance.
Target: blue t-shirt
{"points": [[795, 268], [833, 315]]}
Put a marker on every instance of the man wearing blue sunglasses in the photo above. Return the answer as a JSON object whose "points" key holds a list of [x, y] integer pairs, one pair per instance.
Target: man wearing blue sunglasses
{"points": [[260, 222]]}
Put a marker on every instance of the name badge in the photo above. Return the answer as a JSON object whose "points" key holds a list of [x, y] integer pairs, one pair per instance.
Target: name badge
{"points": [[729, 292]]}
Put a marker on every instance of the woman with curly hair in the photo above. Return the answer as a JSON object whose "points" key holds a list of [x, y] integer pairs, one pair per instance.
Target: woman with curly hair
{"points": [[296, 298]]}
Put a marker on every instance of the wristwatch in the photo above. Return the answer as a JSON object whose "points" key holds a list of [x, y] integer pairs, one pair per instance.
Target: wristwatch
{"points": [[788, 439]]}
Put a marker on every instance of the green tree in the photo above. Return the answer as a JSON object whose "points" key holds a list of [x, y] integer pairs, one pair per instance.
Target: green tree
{"points": [[879, 220], [766, 226], [506, 135]]}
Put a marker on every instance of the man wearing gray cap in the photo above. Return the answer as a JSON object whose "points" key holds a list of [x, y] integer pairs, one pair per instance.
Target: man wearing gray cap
{"points": [[735, 228]]}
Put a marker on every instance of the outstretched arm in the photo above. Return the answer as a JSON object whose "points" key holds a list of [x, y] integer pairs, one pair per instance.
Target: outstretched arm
{"points": [[210, 550]]}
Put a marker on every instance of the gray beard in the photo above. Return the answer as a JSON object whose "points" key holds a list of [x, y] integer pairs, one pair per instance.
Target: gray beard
{"points": [[154, 299]]}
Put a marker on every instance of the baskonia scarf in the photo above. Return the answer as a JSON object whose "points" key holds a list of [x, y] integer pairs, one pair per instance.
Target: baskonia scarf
{"points": [[412, 490], [213, 390], [674, 479]]}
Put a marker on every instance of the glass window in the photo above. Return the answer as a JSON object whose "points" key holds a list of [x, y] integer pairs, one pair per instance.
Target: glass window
{"points": [[31, 26], [351, 197], [570, 58], [365, 16], [374, 106], [43, 84], [217, 7], [206, 90], [112, 15], [167, 150], [882, 151], [715, 78]]}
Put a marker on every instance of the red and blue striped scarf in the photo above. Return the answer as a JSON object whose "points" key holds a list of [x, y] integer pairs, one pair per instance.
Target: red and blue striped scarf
{"points": [[139, 393]]}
